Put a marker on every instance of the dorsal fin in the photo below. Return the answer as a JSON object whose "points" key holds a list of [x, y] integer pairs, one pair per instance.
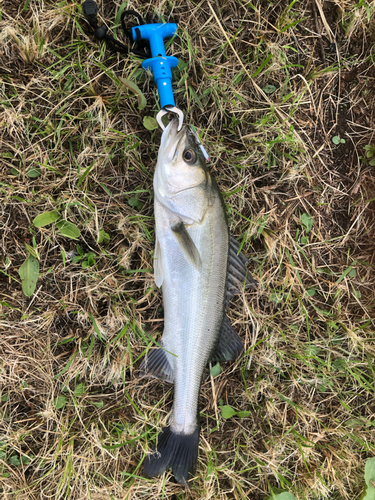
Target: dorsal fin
{"points": [[238, 277]]}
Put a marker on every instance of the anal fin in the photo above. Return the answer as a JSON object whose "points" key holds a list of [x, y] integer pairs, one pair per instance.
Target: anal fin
{"points": [[230, 345], [156, 365]]}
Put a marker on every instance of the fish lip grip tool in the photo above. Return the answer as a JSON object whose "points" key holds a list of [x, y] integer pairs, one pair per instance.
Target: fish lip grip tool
{"points": [[161, 65]]}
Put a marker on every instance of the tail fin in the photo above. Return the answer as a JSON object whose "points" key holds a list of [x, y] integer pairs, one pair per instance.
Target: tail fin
{"points": [[178, 451]]}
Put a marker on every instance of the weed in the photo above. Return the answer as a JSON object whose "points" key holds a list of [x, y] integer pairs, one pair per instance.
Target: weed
{"points": [[370, 154], [338, 140]]}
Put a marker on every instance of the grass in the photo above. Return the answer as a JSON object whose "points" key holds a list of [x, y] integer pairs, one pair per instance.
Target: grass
{"points": [[76, 419]]}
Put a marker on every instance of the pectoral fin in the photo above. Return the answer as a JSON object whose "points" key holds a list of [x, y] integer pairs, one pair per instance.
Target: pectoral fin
{"points": [[187, 245]]}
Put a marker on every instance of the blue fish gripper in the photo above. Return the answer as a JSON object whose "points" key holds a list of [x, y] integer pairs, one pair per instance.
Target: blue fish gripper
{"points": [[160, 64]]}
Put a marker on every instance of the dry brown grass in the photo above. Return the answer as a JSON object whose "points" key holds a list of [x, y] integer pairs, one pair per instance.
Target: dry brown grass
{"points": [[307, 375]]}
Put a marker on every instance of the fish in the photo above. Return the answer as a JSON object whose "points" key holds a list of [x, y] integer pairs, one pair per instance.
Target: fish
{"points": [[199, 267]]}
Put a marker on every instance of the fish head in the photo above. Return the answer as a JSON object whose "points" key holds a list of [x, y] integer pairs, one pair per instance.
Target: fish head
{"points": [[182, 182]]}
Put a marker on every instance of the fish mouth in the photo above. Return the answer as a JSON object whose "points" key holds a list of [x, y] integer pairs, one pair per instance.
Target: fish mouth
{"points": [[171, 140]]}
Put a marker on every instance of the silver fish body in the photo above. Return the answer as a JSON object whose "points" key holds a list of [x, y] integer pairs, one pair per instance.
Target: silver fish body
{"points": [[194, 302], [194, 257]]}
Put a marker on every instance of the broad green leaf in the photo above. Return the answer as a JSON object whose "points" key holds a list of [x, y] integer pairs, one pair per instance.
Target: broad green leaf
{"points": [[369, 493], [79, 390], [104, 237], [14, 171], [150, 123], [284, 496], [354, 423], [60, 402], [68, 229], [14, 460], [370, 476], [183, 65], [311, 292], [33, 172], [29, 274], [243, 414], [90, 260], [339, 364], [49, 128], [25, 459], [227, 412], [142, 103], [98, 404], [347, 272], [215, 370], [135, 203], [269, 89], [279, 494], [277, 297], [46, 218], [336, 139], [307, 221]]}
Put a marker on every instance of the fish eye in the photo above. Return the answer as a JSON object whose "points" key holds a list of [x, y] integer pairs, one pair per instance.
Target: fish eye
{"points": [[190, 156]]}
